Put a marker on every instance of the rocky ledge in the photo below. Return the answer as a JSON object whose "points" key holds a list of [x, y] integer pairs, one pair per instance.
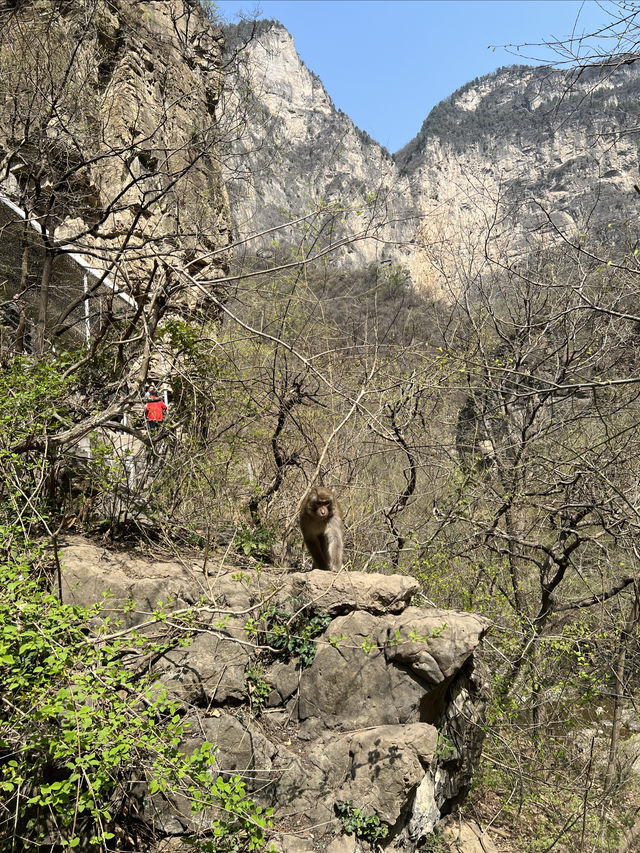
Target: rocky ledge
{"points": [[326, 693]]}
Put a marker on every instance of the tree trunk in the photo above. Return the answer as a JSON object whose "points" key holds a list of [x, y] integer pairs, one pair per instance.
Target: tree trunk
{"points": [[24, 270], [623, 639], [43, 304]]}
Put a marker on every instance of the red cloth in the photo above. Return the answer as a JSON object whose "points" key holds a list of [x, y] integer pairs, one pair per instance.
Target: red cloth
{"points": [[155, 410]]}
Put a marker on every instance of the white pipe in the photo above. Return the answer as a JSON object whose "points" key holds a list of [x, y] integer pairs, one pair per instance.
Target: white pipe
{"points": [[87, 324], [94, 271]]}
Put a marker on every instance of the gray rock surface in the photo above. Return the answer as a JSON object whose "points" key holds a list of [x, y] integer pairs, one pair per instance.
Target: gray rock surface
{"points": [[210, 671], [434, 644], [361, 723], [340, 593], [375, 694], [385, 766]]}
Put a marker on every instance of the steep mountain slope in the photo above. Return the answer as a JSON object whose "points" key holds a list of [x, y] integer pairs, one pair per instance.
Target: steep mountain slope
{"points": [[111, 148], [523, 155], [291, 152]]}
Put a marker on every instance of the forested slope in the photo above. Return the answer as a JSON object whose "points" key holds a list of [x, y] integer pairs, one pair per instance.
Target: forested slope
{"points": [[483, 447]]}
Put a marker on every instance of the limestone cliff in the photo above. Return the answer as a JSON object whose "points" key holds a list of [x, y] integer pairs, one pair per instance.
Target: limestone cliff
{"points": [[522, 156], [292, 153], [111, 146], [364, 700], [525, 157]]}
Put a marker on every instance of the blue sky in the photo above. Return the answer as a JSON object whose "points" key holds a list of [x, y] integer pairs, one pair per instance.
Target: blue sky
{"points": [[387, 63]]}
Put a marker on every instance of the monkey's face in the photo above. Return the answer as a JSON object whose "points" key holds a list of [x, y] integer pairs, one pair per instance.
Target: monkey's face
{"points": [[321, 509], [321, 504]]}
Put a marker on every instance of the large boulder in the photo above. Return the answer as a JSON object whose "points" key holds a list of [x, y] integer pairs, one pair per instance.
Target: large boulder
{"points": [[210, 671], [350, 684], [372, 670], [343, 592], [384, 766], [433, 643]]}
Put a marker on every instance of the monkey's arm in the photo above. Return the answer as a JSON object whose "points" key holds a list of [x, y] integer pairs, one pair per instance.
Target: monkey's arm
{"points": [[334, 541]]}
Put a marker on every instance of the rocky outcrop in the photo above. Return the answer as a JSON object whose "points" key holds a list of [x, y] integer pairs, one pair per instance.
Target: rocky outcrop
{"points": [[325, 692], [159, 105]]}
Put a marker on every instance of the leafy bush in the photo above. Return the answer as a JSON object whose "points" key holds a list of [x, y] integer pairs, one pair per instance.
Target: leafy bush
{"points": [[356, 822], [77, 727], [255, 541], [289, 634], [257, 688]]}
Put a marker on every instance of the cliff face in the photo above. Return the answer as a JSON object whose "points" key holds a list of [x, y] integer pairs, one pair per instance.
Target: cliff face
{"points": [[162, 93], [291, 154], [113, 151], [523, 156], [129, 153]]}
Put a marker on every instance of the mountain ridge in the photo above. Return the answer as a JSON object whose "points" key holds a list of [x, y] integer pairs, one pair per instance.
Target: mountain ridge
{"points": [[541, 149]]}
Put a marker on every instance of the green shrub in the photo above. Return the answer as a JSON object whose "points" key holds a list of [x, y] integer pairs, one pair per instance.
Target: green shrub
{"points": [[77, 727], [289, 634], [257, 688], [368, 827], [254, 541]]}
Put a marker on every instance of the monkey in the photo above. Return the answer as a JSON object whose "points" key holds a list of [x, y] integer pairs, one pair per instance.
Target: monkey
{"points": [[321, 525]]}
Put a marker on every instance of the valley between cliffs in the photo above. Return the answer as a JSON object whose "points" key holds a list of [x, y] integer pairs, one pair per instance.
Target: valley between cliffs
{"points": [[446, 337]]}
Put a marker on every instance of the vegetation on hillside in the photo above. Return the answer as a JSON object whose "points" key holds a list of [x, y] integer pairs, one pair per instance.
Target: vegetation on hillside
{"points": [[488, 445], [525, 104]]}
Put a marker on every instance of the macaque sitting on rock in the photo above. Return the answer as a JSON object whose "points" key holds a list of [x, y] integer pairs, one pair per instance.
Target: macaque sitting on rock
{"points": [[321, 525]]}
